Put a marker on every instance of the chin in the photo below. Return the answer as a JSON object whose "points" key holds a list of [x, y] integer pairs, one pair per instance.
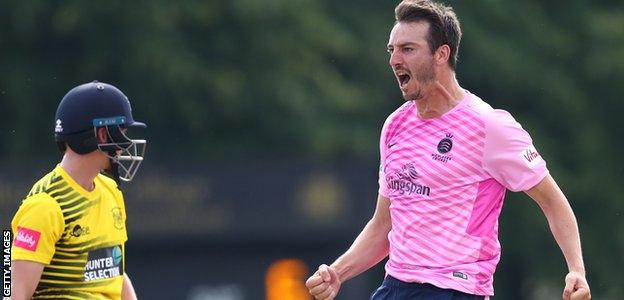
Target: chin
{"points": [[407, 96], [413, 96]]}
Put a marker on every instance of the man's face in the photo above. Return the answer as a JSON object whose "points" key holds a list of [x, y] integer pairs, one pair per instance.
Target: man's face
{"points": [[411, 58]]}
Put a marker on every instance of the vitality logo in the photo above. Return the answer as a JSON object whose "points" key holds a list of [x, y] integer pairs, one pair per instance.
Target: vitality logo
{"points": [[530, 156], [27, 238]]}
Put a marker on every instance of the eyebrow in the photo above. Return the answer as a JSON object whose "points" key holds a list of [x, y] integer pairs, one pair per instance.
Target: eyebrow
{"points": [[402, 45]]}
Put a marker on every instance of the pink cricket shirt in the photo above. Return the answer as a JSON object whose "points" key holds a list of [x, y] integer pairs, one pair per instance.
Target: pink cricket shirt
{"points": [[446, 179]]}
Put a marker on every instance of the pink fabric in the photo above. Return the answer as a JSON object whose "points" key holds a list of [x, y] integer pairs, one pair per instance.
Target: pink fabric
{"points": [[446, 179], [486, 208]]}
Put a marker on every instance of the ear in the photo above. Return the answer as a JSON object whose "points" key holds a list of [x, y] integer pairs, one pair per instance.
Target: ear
{"points": [[443, 54], [101, 135]]}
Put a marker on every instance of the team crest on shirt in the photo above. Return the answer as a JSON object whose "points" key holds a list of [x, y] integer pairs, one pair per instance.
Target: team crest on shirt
{"points": [[117, 218], [444, 147]]}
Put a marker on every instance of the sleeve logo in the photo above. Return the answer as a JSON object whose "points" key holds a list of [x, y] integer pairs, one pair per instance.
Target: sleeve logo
{"points": [[27, 238], [530, 156]]}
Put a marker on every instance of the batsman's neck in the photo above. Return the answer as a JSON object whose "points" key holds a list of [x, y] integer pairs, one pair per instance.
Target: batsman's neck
{"points": [[82, 168]]}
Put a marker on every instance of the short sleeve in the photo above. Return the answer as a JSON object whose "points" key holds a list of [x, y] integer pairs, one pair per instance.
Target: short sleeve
{"points": [[383, 149], [37, 226], [509, 155]]}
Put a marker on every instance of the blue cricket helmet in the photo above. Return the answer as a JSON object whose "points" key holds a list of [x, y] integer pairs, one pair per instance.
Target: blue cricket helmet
{"points": [[88, 102], [94, 105]]}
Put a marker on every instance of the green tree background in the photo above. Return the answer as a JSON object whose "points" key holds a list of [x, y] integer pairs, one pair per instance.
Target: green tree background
{"points": [[264, 79]]}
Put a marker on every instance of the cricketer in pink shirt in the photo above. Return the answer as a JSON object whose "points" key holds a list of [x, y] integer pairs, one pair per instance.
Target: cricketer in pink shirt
{"points": [[447, 159], [446, 180]]}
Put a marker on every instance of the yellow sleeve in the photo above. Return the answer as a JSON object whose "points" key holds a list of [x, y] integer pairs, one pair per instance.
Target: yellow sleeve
{"points": [[37, 226]]}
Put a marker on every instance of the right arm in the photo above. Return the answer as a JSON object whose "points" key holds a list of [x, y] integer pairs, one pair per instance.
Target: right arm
{"points": [[368, 249], [37, 227], [25, 277]]}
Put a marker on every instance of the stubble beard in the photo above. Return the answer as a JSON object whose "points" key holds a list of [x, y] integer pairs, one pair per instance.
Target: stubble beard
{"points": [[424, 75]]}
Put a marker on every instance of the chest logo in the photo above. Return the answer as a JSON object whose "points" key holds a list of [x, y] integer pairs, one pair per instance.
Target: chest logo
{"points": [[117, 218], [446, 144], [405, 181], [104, 263], [444, 147]]}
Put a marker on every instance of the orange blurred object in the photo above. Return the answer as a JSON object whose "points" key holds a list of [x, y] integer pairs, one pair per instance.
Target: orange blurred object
{"points": [[285, 280]]}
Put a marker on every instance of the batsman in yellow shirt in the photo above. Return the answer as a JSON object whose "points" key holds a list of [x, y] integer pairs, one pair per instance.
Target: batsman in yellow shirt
{"points": [[71, 228]]}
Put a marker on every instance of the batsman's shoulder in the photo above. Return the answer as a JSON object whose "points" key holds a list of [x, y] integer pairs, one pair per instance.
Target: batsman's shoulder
{"points": [[38, 203], [40, 199]]}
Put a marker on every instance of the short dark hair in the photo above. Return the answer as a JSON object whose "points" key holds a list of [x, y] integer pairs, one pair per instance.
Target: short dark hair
{"points": [[443, 24]]}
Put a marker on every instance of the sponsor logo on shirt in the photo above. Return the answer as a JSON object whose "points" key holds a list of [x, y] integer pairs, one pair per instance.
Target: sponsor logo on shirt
{"points": [[78, 231], [530, 156], [403, 181], [104, 263], [408, 172], [27, 238], [444, 146]]}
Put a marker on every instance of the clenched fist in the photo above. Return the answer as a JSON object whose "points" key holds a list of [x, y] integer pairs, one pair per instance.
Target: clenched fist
{"points": [[324, 284], [576, 287]]}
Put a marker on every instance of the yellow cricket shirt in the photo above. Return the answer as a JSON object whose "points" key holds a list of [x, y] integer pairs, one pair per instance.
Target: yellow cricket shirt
{"points": [[78, 235]]}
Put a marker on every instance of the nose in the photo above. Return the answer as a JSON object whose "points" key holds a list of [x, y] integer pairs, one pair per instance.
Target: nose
{"points": [[395, 59]]}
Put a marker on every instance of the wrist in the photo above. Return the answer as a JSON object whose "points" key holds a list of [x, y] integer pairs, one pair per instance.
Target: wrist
{"points": [[580, 271], [340, 270]]}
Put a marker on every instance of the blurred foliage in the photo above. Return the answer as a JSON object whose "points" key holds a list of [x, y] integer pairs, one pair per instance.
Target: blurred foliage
{"points": [[303, 78]]}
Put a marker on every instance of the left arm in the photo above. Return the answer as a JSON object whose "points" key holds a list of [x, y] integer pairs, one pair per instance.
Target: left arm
{"points": [[127, 291], [564, 228]]}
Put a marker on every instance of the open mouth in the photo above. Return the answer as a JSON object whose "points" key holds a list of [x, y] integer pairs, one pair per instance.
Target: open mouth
{"points": [[403, 79]]}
